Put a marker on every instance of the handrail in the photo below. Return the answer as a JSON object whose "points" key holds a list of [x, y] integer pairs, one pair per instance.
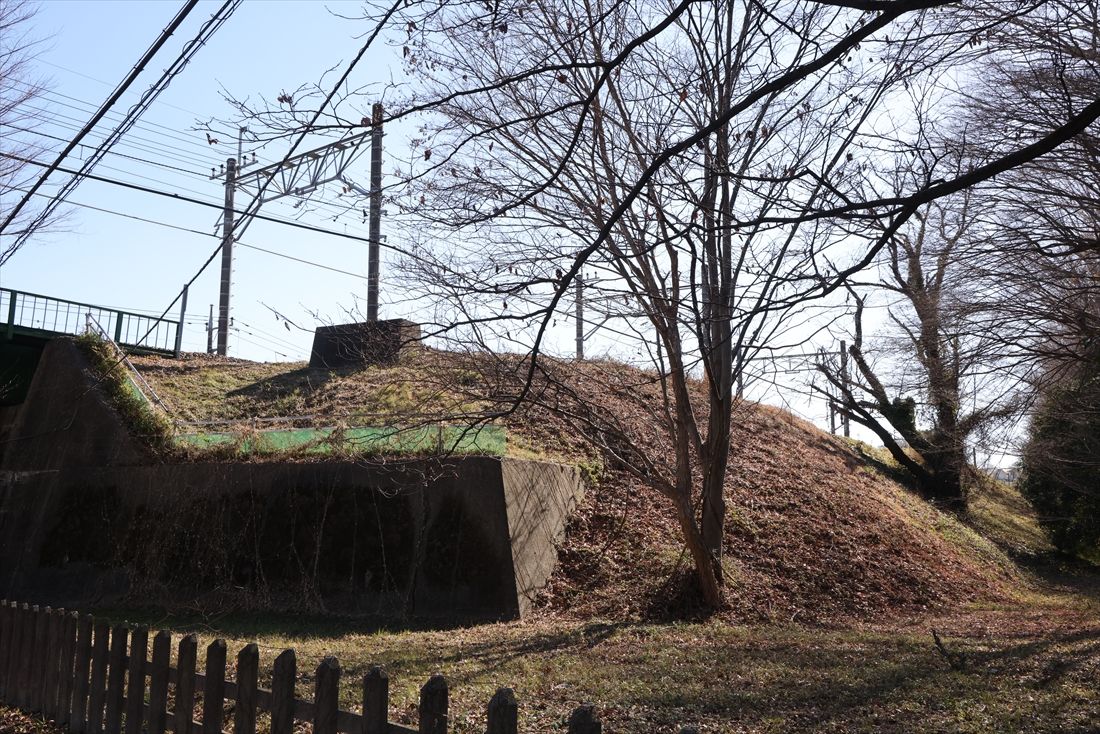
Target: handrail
{"points": [[36, 313], [90, 305], [107, 337]]}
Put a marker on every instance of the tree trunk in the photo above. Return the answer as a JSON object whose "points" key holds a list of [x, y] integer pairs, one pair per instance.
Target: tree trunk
{"points": [[947, 471], [707, 572]]}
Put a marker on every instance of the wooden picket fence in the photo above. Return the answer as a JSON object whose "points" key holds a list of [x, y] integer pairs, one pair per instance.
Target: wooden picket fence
{"points": [[84, 675]]}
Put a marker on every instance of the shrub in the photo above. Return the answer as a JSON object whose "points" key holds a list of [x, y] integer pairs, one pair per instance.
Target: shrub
{"points": [[1061, 462]]}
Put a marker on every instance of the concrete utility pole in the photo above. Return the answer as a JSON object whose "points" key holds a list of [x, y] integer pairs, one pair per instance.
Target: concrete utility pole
{"points": [[227, 257], [580, 316], [183, 316], [210, 331], [844, 420], [375, 234]]}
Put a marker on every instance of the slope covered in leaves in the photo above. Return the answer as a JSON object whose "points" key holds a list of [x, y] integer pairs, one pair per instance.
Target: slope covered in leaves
{"points": [[816, 531]]}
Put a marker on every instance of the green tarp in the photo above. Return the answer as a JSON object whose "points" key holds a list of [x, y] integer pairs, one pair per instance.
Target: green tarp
{"points": [[489, 440]]}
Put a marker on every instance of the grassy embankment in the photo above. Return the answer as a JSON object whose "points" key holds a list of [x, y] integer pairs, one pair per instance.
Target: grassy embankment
{"points": [[837, 576]]}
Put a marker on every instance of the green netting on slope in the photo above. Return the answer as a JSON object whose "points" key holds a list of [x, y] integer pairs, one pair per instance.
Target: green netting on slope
{"points": [[491, 440]]}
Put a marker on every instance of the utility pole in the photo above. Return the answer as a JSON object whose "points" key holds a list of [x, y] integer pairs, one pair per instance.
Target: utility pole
{"points": [[227, 257], [844, 420], [210, 331], [183, 315], [580, 316], [375, 234]]}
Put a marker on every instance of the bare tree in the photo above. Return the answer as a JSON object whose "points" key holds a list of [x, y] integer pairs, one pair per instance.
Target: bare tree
{"points": [[678, 266], [18, 88], [692, 156], [946, 369], [1044, 217]]}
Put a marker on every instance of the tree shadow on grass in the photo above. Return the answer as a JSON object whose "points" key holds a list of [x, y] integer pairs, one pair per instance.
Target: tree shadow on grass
{"points": [[823, 686], [725, 677]]}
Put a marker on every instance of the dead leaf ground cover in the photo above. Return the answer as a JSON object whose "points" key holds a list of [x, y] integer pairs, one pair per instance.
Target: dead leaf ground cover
{"points": [[1030, 666], [837, 573], [816, 531]]}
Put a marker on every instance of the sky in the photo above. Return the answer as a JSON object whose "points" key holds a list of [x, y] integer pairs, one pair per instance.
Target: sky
{"points": [[116, 260], [97, 257]]}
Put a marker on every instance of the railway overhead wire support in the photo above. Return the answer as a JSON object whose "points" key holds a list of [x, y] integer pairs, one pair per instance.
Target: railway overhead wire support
{"points": [[299, 176], [304, 173]]}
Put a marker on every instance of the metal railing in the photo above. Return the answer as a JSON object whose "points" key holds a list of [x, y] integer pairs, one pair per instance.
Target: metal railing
{"points": [[146, 390], [35, 313]]}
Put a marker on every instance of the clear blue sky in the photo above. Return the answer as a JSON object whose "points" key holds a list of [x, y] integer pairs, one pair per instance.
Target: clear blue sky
{"points": [[266, 47]]}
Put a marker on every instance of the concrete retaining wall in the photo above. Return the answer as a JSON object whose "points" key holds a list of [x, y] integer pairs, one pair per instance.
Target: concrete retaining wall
{"points": [[91, 520]]}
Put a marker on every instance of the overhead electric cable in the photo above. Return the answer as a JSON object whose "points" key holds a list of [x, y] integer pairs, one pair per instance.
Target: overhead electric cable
{"points": [[207, 30], [146, 126], [179, 228], [150, 145], [254, 206], [333, 209], [191, 200], [167, 166], [119, 91]]}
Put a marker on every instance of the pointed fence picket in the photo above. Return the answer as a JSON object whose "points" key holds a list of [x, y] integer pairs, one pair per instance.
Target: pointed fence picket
{"points": [[90, 678]]}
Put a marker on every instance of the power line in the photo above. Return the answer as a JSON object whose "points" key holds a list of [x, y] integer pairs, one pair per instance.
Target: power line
{"points": [[268, 347], [177, 227], [137, 142], [190, 200], [147, 124], [323, 208], [166, 140], [273, 338], [130, 78], [253, 209], [167, 166], [175, 68]]}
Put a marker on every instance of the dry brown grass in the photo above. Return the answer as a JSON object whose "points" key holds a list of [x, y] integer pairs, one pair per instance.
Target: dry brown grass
{"points": [[815, 532], [839, 570]]}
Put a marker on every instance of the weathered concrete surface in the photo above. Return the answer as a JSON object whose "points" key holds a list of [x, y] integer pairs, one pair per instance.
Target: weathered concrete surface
{"points": [[538, 499], [85, 516], [471, 538], [65, 421], [362, 344]]}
